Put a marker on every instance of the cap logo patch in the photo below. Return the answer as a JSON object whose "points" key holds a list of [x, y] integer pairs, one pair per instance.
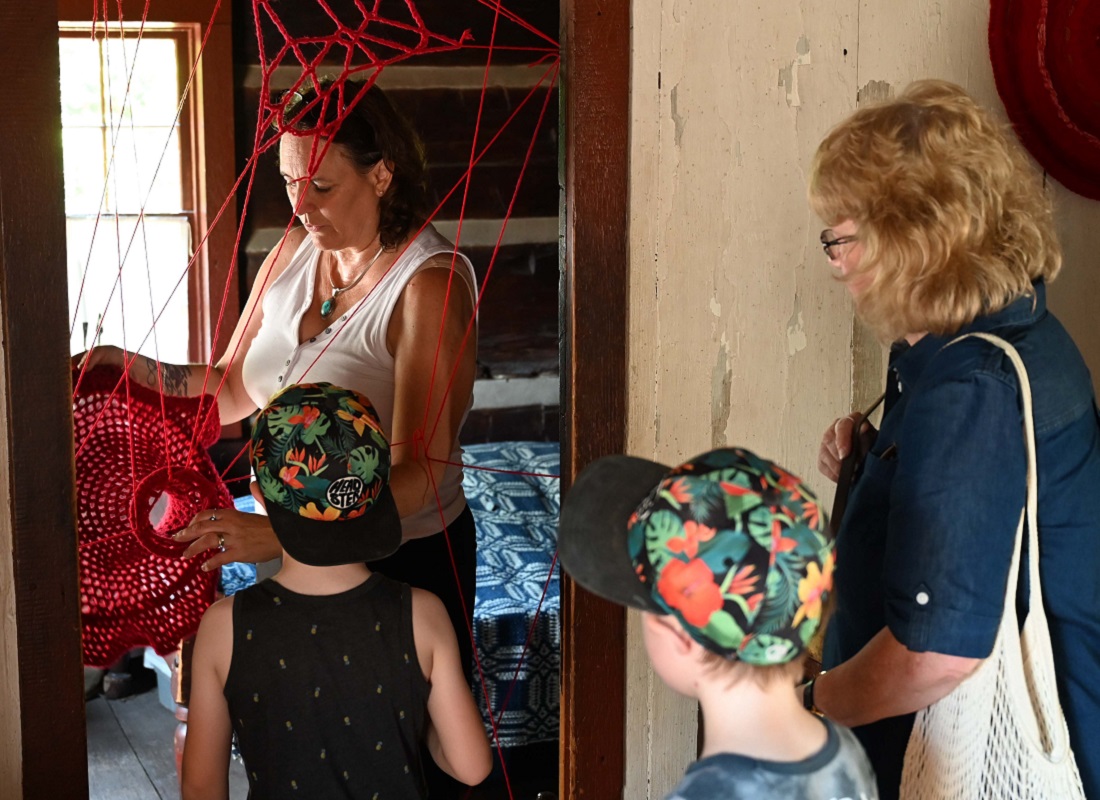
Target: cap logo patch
{"points": [[319, 456], [346, 492]]}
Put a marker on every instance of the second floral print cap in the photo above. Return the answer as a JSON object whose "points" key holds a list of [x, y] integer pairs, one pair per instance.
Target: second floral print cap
{"points": [[323, 466], [731, 544]]}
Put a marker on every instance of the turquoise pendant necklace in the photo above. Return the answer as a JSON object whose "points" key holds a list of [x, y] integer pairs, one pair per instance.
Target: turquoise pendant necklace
{"points": [[329, 305]]}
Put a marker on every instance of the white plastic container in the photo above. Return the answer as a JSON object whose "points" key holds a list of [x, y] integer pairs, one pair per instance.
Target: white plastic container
{"points": [[164, 678]]}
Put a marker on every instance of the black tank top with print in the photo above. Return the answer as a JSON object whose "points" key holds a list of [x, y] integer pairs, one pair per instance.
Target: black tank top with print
{"points": [[325, 692]]}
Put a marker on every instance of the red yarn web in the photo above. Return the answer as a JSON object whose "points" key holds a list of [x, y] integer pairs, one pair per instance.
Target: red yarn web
{"points": [[142, 466]]}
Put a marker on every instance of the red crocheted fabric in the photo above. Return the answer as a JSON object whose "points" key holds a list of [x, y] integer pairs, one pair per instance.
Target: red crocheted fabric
{"points": [[1045, 55], [142, 473]]}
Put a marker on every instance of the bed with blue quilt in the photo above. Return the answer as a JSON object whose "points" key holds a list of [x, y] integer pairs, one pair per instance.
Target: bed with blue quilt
{"points": [[517, 521], [512, 490]]}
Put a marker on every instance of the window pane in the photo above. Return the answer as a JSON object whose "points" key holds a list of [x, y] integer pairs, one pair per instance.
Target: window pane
{"points": [[119, 99], [154, 85], [140, 140], [81, 102], [138, 153], [84, 168], [146, 289]]}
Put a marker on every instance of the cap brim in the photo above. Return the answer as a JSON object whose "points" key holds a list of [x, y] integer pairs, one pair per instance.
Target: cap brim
{"points": [[370, 537], [592, 533]]}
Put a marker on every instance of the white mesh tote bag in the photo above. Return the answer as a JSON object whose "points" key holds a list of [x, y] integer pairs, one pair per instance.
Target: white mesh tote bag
{"points": [[1001, 735]]}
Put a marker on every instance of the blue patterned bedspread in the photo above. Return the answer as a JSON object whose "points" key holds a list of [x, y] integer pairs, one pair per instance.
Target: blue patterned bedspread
{"points": [[517, 522], [516, 517]]}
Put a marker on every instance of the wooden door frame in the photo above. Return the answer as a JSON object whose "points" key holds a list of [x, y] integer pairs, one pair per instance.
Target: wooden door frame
{"points": [[42, 723], [43, 739], [595, 94]]}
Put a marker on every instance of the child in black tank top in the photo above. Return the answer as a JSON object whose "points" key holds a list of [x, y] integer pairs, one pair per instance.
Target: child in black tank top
{"points": [[330, 675]]}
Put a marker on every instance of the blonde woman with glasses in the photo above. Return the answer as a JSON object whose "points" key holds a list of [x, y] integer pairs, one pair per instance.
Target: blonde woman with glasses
{"points": [[939, 226]]}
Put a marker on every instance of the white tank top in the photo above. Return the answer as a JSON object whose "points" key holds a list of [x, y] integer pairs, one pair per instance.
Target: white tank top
{"points": [[354, 350]]}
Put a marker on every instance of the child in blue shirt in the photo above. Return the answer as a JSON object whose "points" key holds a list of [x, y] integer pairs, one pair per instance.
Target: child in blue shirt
{"points": [[728, 559]]}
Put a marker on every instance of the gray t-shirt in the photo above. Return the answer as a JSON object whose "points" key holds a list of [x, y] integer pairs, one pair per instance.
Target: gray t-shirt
{"points": [[839, 771]]}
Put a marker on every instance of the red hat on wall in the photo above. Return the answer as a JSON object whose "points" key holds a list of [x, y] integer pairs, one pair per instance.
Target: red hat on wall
{"points": [[1046, 61]]}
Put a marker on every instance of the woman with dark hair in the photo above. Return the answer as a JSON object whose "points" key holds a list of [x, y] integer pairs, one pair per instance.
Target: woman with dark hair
{"points": [[362, 294], [938, 227]]}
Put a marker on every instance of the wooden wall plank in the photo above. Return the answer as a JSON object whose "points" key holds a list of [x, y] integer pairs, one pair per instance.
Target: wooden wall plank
{"points": [[45, 722], [448, 151], [596, 116], [443, 17], [215, 137]]}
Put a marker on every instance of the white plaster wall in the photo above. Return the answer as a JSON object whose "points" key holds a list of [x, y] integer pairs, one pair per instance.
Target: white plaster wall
{"points": [[1075, 295], [738, 335]]}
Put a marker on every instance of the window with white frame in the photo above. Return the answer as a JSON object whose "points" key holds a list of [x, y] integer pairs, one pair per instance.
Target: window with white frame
{"points": [[129, 205], [147, 107]]}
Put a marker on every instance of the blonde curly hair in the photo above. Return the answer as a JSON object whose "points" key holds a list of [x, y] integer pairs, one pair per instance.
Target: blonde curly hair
{"points": [[952, 216]]}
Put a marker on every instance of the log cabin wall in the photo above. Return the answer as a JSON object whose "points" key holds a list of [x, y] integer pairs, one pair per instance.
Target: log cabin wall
{"points": [[516, 396]]}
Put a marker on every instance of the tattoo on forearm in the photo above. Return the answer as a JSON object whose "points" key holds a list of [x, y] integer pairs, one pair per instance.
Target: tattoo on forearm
{"points": [[174, 377]]}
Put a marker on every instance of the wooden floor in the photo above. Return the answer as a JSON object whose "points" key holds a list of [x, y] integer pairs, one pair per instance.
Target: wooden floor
{"points": [[131, 756]]}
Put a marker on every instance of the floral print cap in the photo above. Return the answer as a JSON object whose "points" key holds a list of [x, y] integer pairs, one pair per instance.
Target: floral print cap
{"points": [[731, 544], [737, 549], [323, 465]]}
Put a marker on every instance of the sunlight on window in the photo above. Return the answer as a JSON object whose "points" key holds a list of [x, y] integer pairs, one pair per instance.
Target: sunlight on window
{"points": [[129, 236]]}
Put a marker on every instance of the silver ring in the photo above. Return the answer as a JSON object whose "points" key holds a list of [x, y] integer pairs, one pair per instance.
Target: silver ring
{"points": [[221, 542], [213, 517]]}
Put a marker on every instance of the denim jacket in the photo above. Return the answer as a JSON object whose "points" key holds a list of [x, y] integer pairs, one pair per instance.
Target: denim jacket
{"points": [[925, 545]]}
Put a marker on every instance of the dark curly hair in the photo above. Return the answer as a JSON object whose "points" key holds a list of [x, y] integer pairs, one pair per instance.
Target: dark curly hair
{"points": [[370, 131]]}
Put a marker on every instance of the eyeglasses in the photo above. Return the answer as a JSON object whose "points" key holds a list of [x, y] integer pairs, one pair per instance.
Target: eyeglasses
{"points": [[829, 244]]}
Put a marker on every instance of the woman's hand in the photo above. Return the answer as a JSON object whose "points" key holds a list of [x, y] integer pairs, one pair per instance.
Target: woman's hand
{"points": [[837, 441], [232, 536]]}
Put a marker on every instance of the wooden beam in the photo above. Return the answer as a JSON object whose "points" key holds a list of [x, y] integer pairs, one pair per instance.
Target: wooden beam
{"points": [[596, 120], [42, 732]]}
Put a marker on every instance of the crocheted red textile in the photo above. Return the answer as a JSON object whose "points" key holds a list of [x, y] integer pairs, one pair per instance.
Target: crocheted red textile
{"points": [[1045, 55], [134, 588]]}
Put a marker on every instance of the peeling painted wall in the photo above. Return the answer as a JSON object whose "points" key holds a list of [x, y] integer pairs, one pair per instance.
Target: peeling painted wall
{"points": [[737, 332]]}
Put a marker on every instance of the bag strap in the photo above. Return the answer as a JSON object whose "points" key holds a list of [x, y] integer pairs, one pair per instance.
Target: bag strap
{"points": [[1029, 651], [848, 468], [1035, 596]]}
